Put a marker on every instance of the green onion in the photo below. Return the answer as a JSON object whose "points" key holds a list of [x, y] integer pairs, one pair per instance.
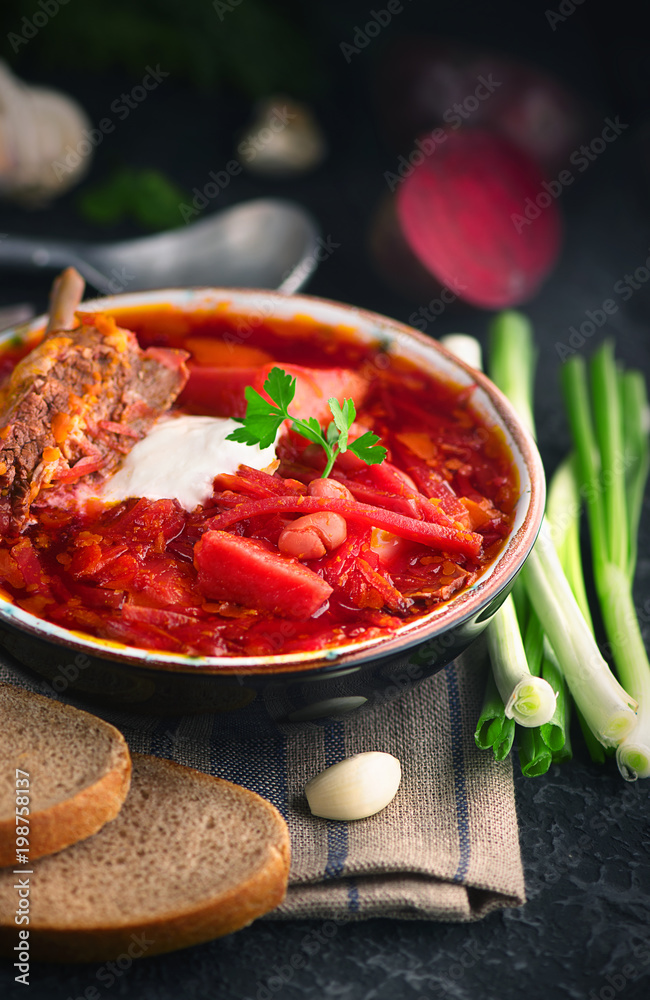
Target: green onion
{"points": [[535, 758], [608, 433], [464, 347], [534, 644], [522, 605], [631, 659], [607, 708], [542, 660], [555, 732], [597, 751], [512, 362], [493, 730], [635, 435], [576, 395], [563, 507], [608, 423], [528, 699]]}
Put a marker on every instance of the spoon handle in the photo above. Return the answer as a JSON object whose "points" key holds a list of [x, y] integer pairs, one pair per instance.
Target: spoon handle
{"points": [[22, 312], [34, 254], [31, 253]]}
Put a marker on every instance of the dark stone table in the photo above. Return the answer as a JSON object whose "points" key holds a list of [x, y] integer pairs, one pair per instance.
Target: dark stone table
{"points": [[585, 930]]}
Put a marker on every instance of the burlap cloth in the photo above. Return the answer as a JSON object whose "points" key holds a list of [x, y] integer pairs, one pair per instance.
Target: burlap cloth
{"points": [[446, 848]]}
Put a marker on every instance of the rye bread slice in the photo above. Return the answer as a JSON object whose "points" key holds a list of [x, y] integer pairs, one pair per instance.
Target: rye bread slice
{"points": [[79, 771], [190, 857]]}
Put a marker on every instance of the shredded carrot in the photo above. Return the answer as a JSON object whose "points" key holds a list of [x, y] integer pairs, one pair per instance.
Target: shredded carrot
{"points": [[419, 443], [478, 516], [210, 351], [61, 424]]}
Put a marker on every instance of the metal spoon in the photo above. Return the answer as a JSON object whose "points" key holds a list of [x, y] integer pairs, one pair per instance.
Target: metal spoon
{"points": [[266, 243]]}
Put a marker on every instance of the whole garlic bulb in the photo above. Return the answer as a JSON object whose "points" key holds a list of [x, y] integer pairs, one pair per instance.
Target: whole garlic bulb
{"points": [[38, 127], [356, 787]]}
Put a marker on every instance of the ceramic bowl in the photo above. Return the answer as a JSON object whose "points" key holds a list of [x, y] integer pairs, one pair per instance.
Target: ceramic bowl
{"points": [[298, 687]]}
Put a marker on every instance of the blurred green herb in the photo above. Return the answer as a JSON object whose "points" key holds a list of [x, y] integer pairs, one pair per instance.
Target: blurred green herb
{"points": [[250, 45], [145, 196]]}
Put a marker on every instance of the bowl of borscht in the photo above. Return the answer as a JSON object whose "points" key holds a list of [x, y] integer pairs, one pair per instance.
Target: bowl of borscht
{"points": [[264, 506]]}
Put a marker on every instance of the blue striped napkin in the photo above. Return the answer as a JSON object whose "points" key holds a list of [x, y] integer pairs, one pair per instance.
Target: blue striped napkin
{"points": [[446, 848]]}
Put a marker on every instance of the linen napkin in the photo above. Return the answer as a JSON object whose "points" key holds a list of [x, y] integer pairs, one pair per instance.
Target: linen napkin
{"points": [[446, 848]]}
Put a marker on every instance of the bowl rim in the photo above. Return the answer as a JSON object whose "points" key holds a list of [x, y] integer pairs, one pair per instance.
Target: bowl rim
{"points": [[444, 618]]}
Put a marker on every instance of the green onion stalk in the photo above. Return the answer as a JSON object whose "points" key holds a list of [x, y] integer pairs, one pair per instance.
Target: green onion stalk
{"points": [[535, 757], [493, 730], [553, 742], [528, 699], [563, 509], [607, 708], [555, 732], [608, 417]]}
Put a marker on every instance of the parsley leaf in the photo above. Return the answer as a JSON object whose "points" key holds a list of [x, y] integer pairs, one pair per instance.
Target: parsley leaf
{"points": [[365, 447], [263, 419], [280, 387], [343, 419]]}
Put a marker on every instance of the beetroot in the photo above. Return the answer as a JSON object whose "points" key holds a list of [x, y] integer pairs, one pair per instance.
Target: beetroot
{"points": [[232, 568], [426, 82], [477, 213]]}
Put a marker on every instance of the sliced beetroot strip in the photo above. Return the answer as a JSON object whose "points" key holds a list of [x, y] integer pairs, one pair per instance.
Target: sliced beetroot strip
{"points": [[419, 505], [367, 494], [437, 536]]}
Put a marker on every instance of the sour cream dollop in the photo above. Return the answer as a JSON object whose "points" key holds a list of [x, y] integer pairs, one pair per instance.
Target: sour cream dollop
{"points": [[179, 458]]}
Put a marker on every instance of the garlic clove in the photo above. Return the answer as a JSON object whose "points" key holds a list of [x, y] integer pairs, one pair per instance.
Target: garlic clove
{"points": [[284, 139], [356, 787]]}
